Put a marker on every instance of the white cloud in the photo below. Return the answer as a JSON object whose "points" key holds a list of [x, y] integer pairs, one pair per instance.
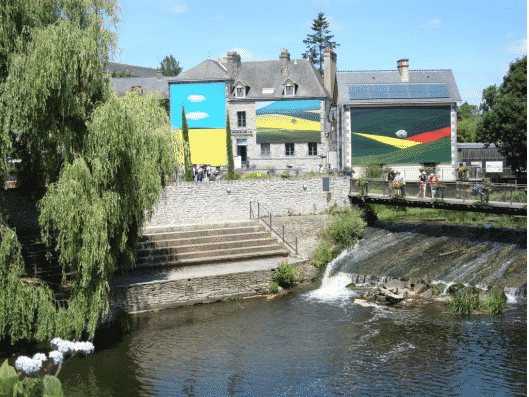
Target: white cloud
{"points": [[516, 46], [432, 23], [175, 9], [246, 56], [196, 98], [196, 115]]}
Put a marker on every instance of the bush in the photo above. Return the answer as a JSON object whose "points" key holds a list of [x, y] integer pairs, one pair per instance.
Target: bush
{"points": [[284, 276], [495, 302], [374, 171], [255, 175], [345, 228], [273, 288], [463, 303], [311, 174], [285, 175], [322, 256], [233, 177]]}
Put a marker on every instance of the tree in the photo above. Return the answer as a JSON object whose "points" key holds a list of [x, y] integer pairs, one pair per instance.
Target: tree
{"points": [[103, 198], [504, 120], [51, 59], [467, 120], [229, 149], [170, 67], [319, 41], [187, 152]]}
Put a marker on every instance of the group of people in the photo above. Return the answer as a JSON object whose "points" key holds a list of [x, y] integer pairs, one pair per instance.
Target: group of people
{"points": [[203, 172], [430, 180], [424, 180]]}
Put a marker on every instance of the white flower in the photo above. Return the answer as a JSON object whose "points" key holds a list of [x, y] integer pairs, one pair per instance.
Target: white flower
{"points": [[401, 134], [21, 362], [57, 357], [27, 365], [55, 342], [66, 347], [40, 357]]}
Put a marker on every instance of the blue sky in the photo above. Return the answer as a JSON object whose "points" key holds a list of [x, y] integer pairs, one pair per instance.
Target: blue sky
{"points": [[477, 40]]}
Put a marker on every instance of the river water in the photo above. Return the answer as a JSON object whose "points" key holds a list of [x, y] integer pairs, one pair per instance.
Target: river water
{"points": [[317, 343]]}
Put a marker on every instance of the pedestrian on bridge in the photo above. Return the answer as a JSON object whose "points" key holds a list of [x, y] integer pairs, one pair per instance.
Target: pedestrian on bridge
{"points": [[433, 181], [422, 185], [399, 177]]}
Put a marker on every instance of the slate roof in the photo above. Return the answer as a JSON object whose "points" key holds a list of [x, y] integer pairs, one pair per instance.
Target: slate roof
{"points": [[124, 84], [346, 78], [135, 71], [259, 75]]}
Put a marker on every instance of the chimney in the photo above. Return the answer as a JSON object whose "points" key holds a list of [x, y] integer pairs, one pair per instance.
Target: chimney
{"points": [[329, 70], [284, 60], [233, 63], [159, 74], [403, 66]]}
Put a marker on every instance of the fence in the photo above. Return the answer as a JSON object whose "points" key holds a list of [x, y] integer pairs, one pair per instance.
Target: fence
{"points": [[260, 212]]}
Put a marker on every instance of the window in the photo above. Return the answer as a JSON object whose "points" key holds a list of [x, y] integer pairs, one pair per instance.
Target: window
{"points": [[289, 149], [313, 149], [241, 119], [265, 149], [240, 92], [289, 90]]}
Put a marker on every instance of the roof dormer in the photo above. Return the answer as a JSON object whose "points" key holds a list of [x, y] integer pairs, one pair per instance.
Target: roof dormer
{"points": [[290, 87], [241, 89]]}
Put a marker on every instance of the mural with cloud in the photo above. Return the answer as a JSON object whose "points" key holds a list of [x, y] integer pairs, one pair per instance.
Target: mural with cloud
{"points": [[396, 135], [205, 109], [288, 121]]}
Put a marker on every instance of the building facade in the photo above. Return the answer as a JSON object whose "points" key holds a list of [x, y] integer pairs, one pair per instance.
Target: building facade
{"points": [[278, 111], [400, 118]]}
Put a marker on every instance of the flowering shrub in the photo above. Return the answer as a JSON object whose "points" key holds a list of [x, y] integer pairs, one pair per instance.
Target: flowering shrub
{"points": [[428, 170], [462, 169], [397, 184], [255, 175]]}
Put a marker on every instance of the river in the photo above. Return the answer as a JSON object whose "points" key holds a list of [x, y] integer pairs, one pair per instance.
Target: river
{"points": [[317, 343]]}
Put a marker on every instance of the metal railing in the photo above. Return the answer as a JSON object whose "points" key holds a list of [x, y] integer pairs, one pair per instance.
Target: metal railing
{"points": [[464, 190], [259, 211]]}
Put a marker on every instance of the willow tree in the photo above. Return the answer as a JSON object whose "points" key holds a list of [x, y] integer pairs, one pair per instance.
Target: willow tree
{"points": [[52, 57], [103, 198]]}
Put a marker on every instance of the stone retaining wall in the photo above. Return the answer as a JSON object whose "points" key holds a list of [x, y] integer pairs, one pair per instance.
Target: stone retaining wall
{"points": [[211, 202], [163, 294]]}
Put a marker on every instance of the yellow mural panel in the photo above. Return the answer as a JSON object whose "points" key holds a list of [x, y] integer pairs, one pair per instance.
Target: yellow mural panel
{"points": [[397, 142], [208, 146], [281, 121]]}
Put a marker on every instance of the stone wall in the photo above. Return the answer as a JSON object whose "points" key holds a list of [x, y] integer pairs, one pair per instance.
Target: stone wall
{"points": [[163, 294], [210, 202]]}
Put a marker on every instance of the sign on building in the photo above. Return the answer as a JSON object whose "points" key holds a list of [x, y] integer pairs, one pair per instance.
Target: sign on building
{"points": [[494, 166]]}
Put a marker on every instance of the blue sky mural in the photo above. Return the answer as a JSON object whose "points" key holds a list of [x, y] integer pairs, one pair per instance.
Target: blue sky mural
{"points": [[205, 105]]}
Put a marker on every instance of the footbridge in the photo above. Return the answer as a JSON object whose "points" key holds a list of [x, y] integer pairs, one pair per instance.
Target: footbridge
{"points": [[473, 196]]}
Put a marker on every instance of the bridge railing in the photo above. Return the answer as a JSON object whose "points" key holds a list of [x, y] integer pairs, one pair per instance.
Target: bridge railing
{"points": [[463, 190]]}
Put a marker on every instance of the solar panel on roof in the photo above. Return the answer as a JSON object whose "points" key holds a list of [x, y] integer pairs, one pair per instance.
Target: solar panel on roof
{"points": [[397, 91]]}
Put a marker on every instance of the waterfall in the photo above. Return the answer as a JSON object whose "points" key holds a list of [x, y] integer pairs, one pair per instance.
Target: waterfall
{"points": [[382, 255]]}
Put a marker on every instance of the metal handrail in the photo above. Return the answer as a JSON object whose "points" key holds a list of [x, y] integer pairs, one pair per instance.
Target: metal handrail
{"points": [[270, 216]]}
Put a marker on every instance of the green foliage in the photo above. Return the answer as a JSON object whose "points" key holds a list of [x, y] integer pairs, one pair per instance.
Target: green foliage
{"points": [[273, 288], [11, 385], [463, 303], [8, 379], [170, 66], [51, 59], [466, 111], [504, 119], [255, 175], [373, 171], [319, 41], [345, 229], [52, 387], [231, 177], [285, 175], [229, 148], [101, 202], [467, 130], [495, 302], [322, 255], [284, 276], [188, 176], [311, 174]]}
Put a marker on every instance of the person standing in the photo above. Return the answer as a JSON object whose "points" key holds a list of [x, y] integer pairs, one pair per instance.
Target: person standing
{"points": [[422, 185], [400, 178], [433, 181], [389, 179]]}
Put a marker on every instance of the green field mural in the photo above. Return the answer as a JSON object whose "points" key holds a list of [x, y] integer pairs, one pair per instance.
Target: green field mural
{"points": [[288, 121], [407, 134]]}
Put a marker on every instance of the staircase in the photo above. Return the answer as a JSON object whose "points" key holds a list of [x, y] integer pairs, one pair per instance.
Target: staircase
{"points": [[206, 244]]}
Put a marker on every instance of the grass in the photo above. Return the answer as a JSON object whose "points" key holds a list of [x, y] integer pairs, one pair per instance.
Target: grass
{"points": [[390, 214]]}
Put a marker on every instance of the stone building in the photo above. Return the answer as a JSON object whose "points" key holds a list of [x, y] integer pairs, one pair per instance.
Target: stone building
{"points": [[280, 111], [404, 119]]}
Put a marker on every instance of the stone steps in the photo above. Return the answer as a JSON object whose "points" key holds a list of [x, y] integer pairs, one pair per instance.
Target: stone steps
{"points": [[203, 240]]}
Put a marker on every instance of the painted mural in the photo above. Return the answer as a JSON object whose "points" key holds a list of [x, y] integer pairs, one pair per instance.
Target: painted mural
{"points": [[407, 134], [205, 109], [288, 121]]}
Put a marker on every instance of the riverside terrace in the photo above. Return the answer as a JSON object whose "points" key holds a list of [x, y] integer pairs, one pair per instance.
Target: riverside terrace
{"points": [[494, 198]]}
